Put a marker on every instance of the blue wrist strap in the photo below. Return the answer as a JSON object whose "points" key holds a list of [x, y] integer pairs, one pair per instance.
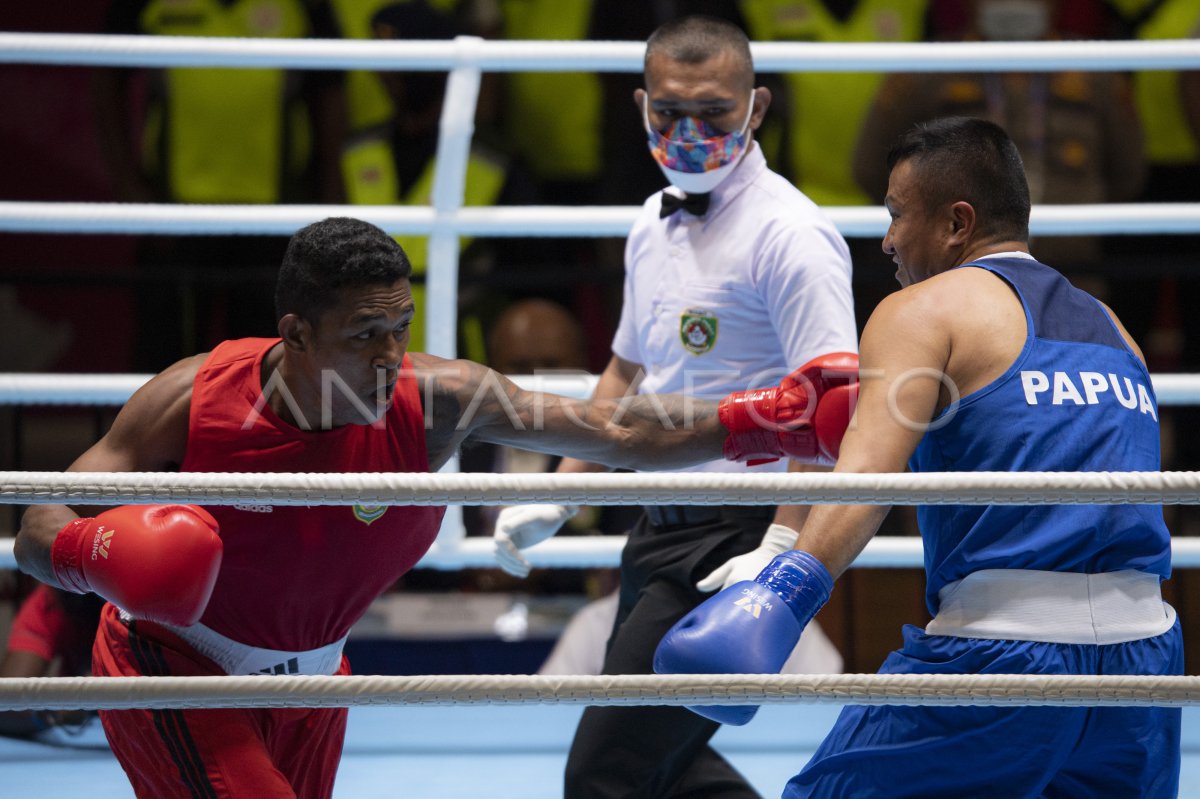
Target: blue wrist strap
{"points": [[800, 580]]}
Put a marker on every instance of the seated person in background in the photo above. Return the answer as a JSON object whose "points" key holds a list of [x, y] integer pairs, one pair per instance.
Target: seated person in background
{"points": [[51, 635]]}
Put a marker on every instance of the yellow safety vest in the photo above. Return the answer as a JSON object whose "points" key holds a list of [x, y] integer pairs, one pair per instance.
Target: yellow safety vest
{"points": [[229, 135], [369, 172], [1169, 139], [553, 118], [367, 101], [828, 108]]}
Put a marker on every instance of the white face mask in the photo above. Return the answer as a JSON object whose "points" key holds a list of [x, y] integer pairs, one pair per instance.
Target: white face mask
{"points": [[692, 154], [1013, 20]]}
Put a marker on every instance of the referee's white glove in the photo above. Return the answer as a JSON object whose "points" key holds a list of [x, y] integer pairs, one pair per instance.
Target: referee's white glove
{"points": [[777, 540], [522, 526]]}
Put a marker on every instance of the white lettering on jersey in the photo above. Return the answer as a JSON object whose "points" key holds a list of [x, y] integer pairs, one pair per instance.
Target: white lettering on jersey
{"points": [[1095, 385], [1144, 403], [1034, 383], [1064, 390], [1130, 403]]}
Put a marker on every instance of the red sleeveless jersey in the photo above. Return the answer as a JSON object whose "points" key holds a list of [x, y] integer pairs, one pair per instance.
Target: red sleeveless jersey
{"points": [[296, 577]]}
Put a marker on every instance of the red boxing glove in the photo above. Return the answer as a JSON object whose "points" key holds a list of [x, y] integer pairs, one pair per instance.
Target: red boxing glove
{"points": [[803, 418], [157, 562]]}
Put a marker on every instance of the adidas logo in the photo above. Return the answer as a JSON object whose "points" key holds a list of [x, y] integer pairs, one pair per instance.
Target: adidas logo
{"points": [[254, 507], [292, 666]]}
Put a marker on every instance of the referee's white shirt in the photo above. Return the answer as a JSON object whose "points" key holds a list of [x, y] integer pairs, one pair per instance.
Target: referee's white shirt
{"points": [[765, 263]]}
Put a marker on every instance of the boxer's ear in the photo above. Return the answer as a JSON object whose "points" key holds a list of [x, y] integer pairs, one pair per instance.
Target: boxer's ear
{"points": [[296, 332]]}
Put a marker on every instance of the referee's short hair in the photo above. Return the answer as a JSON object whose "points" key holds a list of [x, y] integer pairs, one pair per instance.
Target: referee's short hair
{"points": [[696, 38]]}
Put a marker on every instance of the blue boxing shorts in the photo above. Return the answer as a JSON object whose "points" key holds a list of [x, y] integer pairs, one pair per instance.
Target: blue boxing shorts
{"points": [[1011, 751]]}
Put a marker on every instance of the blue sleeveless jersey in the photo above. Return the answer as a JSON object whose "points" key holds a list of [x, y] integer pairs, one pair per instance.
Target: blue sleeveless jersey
{"points": [[1076, 400]]}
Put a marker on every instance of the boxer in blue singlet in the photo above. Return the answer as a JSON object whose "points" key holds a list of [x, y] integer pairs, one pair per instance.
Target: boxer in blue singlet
{"points": [[985, 360]]}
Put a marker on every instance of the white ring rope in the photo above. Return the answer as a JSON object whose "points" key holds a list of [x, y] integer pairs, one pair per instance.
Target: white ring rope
{"points": [[604, 552], [115, 693], [553, 56], [18, 388], [693, 488], [531, 220], [1028, 488], [471, 53], [34, 388]]}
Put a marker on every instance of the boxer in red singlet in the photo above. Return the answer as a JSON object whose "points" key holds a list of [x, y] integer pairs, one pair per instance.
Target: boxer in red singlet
{"points": [[260, 588]]}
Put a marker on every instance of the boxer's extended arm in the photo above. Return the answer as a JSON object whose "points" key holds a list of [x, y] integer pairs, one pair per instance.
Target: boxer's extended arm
{"points": [[619, 380], [149, 434], [804, 418], [465, 401]]}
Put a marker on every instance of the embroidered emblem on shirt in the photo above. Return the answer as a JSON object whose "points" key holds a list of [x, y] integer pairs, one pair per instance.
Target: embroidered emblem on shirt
{"points": [[369, 513], [697, 330]]}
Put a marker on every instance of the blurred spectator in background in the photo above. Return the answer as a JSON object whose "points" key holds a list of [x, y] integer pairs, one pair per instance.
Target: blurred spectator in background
{"points": [[240, 136], [953, 20], [368, 102], [822, 112], [394, 162], [1155, 292], [1077, 132], [825, 110], [552, 119], [554, 123], [1172, 149], [51, 635]]}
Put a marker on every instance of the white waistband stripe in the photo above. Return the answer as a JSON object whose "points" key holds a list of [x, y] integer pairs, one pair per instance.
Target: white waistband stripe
{"points": [[1056, 607], [236, 658]]}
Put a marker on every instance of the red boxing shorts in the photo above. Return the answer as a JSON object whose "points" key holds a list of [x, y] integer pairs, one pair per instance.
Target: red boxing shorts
{"points": [[226, 752]]}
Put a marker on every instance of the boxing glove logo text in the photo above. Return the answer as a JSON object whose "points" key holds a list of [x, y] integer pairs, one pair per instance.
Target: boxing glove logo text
{"points": [[753, 603], [100, 543]]}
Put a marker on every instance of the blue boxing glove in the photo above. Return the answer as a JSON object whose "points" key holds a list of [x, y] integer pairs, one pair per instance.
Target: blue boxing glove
{"points": [[751, 627]]}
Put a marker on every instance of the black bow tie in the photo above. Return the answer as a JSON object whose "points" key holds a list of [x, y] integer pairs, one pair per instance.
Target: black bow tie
{"points": [[694, 204]]}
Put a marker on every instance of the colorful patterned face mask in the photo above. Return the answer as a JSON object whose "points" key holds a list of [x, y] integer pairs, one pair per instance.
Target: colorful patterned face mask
{"points": [[693, 155]]}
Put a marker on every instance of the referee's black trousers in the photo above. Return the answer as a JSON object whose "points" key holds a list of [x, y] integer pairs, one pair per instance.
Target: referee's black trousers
{"points": [[655, 752]]}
